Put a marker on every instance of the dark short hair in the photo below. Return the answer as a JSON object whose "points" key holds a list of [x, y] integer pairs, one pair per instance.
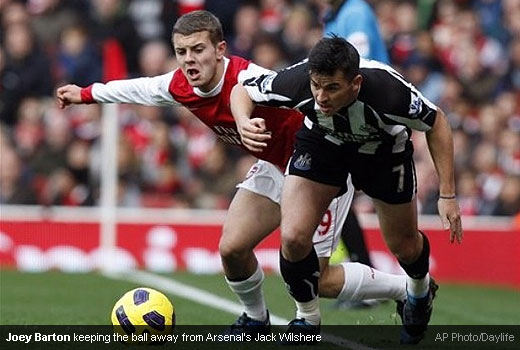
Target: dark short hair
{"points": [[332, 54], [199, 21]]}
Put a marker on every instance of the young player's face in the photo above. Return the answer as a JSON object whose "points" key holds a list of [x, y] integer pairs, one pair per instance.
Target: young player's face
{"points": [[199, 60], [333, 92]]}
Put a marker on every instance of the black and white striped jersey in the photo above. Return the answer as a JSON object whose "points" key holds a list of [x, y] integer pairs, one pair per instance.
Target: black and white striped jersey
{"points": [[379, 122]]}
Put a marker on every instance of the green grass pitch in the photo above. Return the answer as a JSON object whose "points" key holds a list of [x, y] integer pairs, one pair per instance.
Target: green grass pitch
{"points": [[55, 298]]}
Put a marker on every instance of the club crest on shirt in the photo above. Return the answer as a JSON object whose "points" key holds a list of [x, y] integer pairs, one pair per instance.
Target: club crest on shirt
{"points": [[252, 171], [415, 105], [303, 162]]}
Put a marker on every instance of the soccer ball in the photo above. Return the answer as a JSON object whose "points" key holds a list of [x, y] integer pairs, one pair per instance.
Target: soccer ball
{"points": [[141, 313]]}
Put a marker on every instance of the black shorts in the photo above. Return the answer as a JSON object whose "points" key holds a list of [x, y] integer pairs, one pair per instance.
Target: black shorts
{"points": [[390, 178]]}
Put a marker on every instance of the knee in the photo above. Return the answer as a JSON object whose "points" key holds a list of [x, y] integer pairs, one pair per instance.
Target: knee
{"points": [[296, 242], [406, 249], [231, 249]]}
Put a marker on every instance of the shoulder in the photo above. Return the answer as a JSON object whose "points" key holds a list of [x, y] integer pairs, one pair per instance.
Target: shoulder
{"points": [[379, 72], [387, 91], [294, 79], [253, 71], [236, 65], [298, 66], [238, 62], [382, 87]]}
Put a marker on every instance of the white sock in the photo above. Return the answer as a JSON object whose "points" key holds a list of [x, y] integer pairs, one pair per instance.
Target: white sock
{"points": [[417, 288], [251, 294], [363, 282], [309, 310]]}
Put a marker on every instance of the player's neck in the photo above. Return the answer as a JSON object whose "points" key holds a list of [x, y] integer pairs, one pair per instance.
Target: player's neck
{"points": [[217, 77]]}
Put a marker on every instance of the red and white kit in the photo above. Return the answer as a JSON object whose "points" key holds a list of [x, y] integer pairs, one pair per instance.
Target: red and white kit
{"points": [[213, 109]]}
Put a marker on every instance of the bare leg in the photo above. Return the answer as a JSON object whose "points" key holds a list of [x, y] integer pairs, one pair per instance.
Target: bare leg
{"points": [[303, 204], [398, 224], [251, 217]]}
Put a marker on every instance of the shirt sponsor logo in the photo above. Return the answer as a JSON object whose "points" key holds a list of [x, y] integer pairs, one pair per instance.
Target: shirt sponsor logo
{"points": [[227, 135], [303, 162], [368, 129], [355, 138]]}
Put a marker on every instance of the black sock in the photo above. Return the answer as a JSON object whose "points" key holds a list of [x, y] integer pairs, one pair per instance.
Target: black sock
{"points": [[421, 266], [352, 236], [301, 277]]}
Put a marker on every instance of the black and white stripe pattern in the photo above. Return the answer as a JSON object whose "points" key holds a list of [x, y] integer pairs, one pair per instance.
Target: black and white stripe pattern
{"points": [[378, 122]]}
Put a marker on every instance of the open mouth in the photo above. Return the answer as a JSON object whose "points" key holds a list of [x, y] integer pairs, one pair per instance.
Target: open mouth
{"points": [[193, 73], [324, 108]]}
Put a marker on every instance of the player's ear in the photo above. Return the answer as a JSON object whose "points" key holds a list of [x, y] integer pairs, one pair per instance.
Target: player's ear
{"points": [[221, 49], [357, 80]]}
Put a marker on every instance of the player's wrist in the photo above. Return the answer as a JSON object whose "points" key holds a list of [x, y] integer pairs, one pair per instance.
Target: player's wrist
{"points": [[447, 196], [86, 95]]}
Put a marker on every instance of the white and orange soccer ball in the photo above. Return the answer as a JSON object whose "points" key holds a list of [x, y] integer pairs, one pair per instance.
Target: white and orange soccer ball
{"points": [[143, 312]]}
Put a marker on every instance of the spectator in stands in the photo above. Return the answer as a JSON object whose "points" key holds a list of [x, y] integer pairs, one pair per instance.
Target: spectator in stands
{"points": [[508, 201], [355, 21], [14, 187], [79, 60], [50, 17], [114, 31], [268, 52], [509, 151], [511, 17], [247, 24], [13, 13], [158, 154], [153, 58], [513, 73], [465, 55], [28, 132], [469, 193], [296, 33], [26, 71], [489, 176], [153, 18]]}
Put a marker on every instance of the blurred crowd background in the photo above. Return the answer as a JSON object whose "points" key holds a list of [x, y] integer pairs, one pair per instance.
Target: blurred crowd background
{"points": [[463, 55]]}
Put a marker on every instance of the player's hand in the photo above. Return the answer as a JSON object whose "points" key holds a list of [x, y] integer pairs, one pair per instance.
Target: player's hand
{"points": [[450, 217], [68, 94], [254, 134]]}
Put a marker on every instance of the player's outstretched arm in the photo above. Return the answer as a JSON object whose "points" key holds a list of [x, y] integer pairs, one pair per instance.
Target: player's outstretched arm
{"points": [[68, 94], [440, 143], [148, 91], [252, 131]]}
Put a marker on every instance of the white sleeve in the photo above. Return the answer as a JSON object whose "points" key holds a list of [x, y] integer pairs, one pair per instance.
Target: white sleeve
{"points": [[153, 91], [252, 71], [249, 78]]}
